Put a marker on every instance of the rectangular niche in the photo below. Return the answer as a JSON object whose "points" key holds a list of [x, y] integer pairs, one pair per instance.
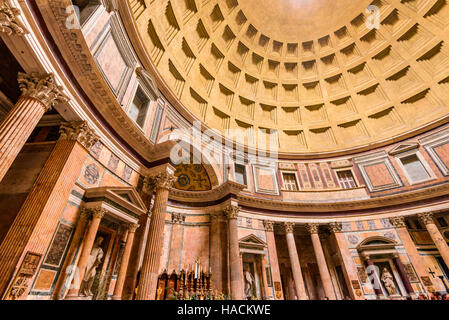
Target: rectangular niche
{"points": [[242, 52], [423, 107], [216, 17], [228, 37], [436, 60], [291, 116], [309, 69], [360, 74], [226, 96], [170, 23], [312, 91], [156, 49], [265, 180], [290, 92], [290, 70], [404, 81], [385, 121], [387, 59], [232, 73], [350, 53], [315, 113], [268, 113], [205, 79], [438, 13], [322, 137], [353, 131], [245, 133], [336, 85], [198, 103], [246, 108], [415, 38], [372, 97], [342, 108], [249, 85], [220, 120], [201, 36], [270, 90], [293, 138]]}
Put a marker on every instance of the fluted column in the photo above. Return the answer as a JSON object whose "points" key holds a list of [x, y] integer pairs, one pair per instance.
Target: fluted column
{"points": [[118, 289], [236, 275], [151, 260], [67, 273], [294, 261], [435, 234], [38, 218], [89, 239], [321, 260], [39, 94], [9, 24], [410, 247], [272, 253], [347, 263]]}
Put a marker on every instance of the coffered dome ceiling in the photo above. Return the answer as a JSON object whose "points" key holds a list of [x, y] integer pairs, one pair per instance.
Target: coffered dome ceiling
{"points": [[309, 71]]}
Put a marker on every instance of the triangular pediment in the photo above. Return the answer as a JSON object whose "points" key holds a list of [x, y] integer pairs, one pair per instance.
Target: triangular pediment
{"points": [[252, 239], [130, 195], [403, 147]]}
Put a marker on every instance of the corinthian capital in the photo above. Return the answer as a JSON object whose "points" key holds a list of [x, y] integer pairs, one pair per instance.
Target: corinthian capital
{"points": [[163, 180], [98, 212], [336, 227], [9, 23], [78, 131], [312, 227], [289, 227], [42, 87], [232, 212], [269, 225], [426, 217], [398, 222], [132, 227]]}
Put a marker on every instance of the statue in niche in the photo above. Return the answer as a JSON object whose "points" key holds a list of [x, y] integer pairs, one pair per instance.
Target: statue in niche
{"points": [[387, 279], [249, 284], [95, 258]]}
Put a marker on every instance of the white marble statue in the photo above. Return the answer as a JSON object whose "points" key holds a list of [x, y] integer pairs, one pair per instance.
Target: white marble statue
{"points": [[95, 258], [387, 279], [249, 284]]}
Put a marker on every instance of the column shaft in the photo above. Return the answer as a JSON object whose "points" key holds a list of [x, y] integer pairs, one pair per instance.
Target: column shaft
{"points": [[439, 241], [118, 289], [296, 267], [65, 278], [403, 275], [216, 259], [234, 261], [272, 253], [151, 259], [37, 219]]}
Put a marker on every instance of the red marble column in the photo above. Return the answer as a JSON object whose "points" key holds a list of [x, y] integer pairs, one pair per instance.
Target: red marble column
{"points": [[272, 252], [435, 234], [412, 252], [151, 260], [234, 253], [321, 260], [294, 261], [66, 274], [408, 286], [263, 268], [39, 94], [118, 289], [38, 218], [347, 263], [89, 239]]}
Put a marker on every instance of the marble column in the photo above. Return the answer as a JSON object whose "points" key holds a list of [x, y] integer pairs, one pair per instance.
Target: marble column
{"points": [[427, 219], [410, 247], [373, 276], [39, 94], [36, 222], [119, 242], [294, 261], [236, 274], [263, 268], [273, 256], [138, 249], [67, 270], [321, 261], [118, 289], [89, 239], [162, 181], [347, 263], [403, 274], [176, 242], [217, 260]]}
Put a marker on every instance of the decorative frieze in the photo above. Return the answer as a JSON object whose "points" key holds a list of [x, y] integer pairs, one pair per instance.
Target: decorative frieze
{"points": [[426, 217], [398, 222], [312, 227], [231, 212], [42, 87], [9, 23], [79, 131]]}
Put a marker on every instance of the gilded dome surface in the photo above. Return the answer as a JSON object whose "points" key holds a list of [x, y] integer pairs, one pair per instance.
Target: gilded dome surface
{"points": [[310, 77]]}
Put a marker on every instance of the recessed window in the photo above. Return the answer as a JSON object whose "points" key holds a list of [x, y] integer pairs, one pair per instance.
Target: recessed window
{"points": [[414, 168], [346, 179], [290, 182], [240, 174], [139, 107]]}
